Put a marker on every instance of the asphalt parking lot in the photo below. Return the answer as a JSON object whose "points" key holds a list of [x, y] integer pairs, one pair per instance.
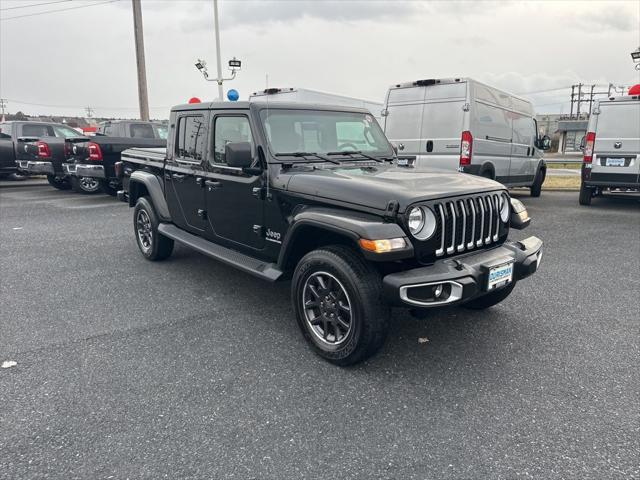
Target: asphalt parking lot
{"points": [[190, 369]]}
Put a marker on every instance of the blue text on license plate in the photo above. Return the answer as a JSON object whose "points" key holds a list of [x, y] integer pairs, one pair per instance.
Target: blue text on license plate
{"points": [[615, 162], [500, 276]]}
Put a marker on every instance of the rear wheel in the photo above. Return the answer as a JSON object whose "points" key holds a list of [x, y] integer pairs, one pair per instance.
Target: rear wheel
{"points": [[536, 188], [152, 244], [490, 299], [61, 183], [88, 185], [337, 298], [585, 196]]}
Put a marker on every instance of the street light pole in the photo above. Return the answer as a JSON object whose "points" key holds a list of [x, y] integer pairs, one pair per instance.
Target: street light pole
{"points": [[143, 98], [219, 59]]}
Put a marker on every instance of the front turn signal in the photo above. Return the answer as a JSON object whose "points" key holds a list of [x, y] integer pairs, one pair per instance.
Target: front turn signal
{"points": [[382, 246]]}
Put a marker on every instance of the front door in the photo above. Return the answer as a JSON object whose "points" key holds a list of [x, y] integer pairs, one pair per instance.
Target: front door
{"points": [[234, 199], [184, 167]]}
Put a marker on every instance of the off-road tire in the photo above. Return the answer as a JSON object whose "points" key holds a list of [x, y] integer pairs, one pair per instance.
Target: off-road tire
{"points": [[536, 188], [585, 195], [369, 315], [490, 299], [78, 186], [57, 182], [158, 246]]}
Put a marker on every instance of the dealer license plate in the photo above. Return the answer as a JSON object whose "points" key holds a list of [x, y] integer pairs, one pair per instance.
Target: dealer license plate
{"points": [[614, 162], [500, 276]]}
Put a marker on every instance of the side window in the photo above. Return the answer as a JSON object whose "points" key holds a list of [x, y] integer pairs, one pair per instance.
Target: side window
{"points": [[229, 129], [190, 138], [106, 129], [5, 130], [524, 130], [493, 122]]}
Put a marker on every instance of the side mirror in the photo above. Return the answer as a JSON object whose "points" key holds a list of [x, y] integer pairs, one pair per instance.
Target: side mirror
{"points": [[544, 143], [238, 154]]}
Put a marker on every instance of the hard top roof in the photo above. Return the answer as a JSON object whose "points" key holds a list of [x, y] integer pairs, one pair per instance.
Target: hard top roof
{"points": [[263, 105]]}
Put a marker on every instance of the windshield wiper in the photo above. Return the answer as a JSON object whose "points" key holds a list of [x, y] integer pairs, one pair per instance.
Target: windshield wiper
{"points": [[350, 153], [307, 154]]}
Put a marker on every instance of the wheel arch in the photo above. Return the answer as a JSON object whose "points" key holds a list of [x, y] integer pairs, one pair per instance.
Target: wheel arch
{"points": [[142, 183]]}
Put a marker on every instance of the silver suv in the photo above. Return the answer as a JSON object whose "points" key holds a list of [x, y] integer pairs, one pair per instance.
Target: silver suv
{"points": [[612, 148]]}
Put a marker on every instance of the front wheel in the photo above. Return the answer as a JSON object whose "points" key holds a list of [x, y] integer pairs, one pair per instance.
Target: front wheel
{"points": [[88, 185], [585, 196], [490, 299], [536, 188], [152, 244], [61, 183], [337, 298]]}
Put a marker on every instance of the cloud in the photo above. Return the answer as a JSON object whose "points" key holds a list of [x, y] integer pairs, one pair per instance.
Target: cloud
{"points": [[615, 17]]}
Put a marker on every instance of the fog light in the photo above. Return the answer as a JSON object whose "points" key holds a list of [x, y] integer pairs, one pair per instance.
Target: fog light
{"points": [[437, 291]]}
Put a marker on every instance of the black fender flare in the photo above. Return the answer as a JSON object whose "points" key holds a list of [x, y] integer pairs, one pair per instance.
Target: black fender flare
{"points": [[487, 167], [153, 186], [351, 225]]}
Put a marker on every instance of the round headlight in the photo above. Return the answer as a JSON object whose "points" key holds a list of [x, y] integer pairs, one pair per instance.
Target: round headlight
{"points": [[427, 224], [504, 208], [416, 220]]}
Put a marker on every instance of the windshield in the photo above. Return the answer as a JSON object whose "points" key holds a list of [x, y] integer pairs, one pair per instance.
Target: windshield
{"points": [[320, 132]]}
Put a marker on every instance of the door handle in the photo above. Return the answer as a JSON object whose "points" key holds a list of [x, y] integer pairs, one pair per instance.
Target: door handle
{"points": [[212, 184], [178, 176], [430, 146]]}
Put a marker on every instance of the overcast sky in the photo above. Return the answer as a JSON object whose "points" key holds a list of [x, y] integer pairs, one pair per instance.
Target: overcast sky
{"points": [[63, 61]]}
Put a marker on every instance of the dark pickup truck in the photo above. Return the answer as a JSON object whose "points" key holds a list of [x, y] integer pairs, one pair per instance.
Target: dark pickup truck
{"points": [[36, 148], [91, 167], [312, 194]]}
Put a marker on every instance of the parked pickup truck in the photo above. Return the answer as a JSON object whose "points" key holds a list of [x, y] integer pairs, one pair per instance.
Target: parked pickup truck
{"points": [[91, 167], [280, 192], [36, 148]]}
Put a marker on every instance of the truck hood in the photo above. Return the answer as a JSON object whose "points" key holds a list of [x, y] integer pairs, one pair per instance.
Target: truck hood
{"points": [[375, 187]]}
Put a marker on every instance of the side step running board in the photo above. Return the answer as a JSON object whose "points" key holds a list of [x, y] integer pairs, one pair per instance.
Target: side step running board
{"points": [[265, 271]]}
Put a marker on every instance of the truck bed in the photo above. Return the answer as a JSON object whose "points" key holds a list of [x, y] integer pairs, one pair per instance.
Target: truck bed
{"points": [[154, 157]]}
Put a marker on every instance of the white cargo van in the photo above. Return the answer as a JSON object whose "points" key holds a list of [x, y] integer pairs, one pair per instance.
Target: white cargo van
{"points": [[462, 124], [303, 95], [611, 148]]}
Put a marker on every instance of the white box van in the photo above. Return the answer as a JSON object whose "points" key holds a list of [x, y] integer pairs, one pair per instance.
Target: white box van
{"points": [[462, 124], [303, 95], [611, 148]]}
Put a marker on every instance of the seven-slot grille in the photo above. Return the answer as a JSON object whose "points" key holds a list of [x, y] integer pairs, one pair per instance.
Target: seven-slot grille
{"points": [[467, 223]]}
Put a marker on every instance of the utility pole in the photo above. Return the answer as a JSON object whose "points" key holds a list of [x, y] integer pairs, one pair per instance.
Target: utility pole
{"points": [[3, 104], [89, 111], [219, 60], [143, 98]]}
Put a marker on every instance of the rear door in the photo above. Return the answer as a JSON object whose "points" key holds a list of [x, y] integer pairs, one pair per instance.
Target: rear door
{"points": [[616, 157], [442, 125], [183, 171], [403, 120]]}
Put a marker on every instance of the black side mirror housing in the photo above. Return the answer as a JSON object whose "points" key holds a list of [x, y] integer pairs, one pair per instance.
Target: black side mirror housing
{"points": [[238, 154], [544, 142], [583, 142]]}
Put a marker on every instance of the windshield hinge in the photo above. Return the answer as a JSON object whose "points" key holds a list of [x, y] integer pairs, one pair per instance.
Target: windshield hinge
{"points": [[391, 211]]}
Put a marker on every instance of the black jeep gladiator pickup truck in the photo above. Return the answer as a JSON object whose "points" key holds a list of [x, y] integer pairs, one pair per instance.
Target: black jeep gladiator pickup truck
{"points": [[91, 167], [312, 194], [36, 148]]}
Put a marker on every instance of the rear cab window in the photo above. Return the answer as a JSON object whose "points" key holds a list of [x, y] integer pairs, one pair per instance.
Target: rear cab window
{"points": [[141, 130], [66, 132], [37, 130], [5, 130], [618, 121], [190, 136]]}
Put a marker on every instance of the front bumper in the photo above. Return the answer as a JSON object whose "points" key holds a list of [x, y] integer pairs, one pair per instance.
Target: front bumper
{"points": [[32, 166], [464, 277], [84, 170]]}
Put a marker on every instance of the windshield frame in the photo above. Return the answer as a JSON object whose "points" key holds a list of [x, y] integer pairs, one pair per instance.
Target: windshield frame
{"points": [[347, 157]]}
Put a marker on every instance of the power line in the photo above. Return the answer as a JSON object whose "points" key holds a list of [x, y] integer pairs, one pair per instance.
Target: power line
{"points": [[35, 5], [58, 10], [544, 91], [78, 106]]}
